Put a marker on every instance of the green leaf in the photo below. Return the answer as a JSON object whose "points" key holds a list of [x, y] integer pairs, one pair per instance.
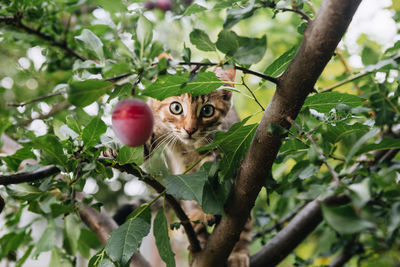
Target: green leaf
{"points": [[235, 15], [201, 40], [193, 9], [112, 6], [72, 232], [228, 42], [123, 90], [394, 218], [233, 144], [336, 132], [13, 161], [116, 69], [130, 155], [174, 85], [309, 171], [385, 143], [344, 219], [23, 191], [160, 231], [91, 42], [251, 50], [144, 32], [214, 197], [58, 259], [92, 132], [360, 142], [369, 56], [186, 186], [48, 240], [24, 257], [125, 240], [83, 93], [73, 124], [361, 193], [324, 102], [60, 209], [280, 64], [51, 150], [106, 263]]}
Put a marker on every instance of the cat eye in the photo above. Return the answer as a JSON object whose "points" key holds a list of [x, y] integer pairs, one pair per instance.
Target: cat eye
{"points": [[175, 108], [207, 111]]}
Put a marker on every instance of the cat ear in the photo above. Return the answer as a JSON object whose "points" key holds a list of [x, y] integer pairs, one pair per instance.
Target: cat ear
{"points": [[225, 74], [226, 94]]}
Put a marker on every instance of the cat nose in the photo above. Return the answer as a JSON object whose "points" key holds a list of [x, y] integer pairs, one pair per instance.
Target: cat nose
{"points": [[190, 130]]}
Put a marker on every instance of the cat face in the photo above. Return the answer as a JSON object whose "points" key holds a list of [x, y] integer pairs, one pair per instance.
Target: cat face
{"points": [[190, 119]]}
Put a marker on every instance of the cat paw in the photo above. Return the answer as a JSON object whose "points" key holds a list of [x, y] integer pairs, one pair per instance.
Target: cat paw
{"points": [[111, 151], [238, 259]]}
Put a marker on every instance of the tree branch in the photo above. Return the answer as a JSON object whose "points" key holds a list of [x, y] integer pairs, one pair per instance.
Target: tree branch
{"points": [[24, 177], [278, 225], [347, 253], [245, 70], [320, 40], [55, 109], [180, 213], [2, 204], [35, 99], [294, 233], [298, 11], [16, 22]]}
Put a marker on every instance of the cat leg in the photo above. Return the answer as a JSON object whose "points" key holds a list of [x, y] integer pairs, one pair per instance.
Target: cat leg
{"points": [[240, 254], [199, 221]]}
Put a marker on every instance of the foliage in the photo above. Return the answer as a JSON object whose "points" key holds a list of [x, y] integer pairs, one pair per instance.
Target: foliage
{"points": [[95, 53]]}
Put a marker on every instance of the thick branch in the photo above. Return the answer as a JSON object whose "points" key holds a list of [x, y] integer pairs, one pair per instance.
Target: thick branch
{"points": [[294, 233], [320, 40]]}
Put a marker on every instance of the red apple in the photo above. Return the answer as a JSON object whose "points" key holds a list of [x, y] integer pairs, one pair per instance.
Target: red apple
{"points": [[132, 122], [164, 5]]}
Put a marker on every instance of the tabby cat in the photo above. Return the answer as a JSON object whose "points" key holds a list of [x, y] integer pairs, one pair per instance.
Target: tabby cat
{"points": [[184, 123]]}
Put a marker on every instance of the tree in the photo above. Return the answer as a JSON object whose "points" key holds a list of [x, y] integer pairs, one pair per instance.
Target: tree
{"points": [[318, 163]]}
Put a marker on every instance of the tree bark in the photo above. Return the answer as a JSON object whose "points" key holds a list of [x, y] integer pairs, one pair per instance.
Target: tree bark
{"points": [[320, 40]]}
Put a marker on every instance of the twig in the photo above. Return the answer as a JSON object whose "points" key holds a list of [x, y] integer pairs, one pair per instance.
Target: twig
{"points": [[53, 111], [334, 174], [23, 177], [17, 22], [35, 99], [180, 213], [245, 70], [119, 77], [196, 162], [350, 79], [298, 11], [280, 223], [253, 95]]}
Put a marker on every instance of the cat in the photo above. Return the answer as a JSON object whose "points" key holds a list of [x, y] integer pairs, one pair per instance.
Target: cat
{"points": [[183, 124]]}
